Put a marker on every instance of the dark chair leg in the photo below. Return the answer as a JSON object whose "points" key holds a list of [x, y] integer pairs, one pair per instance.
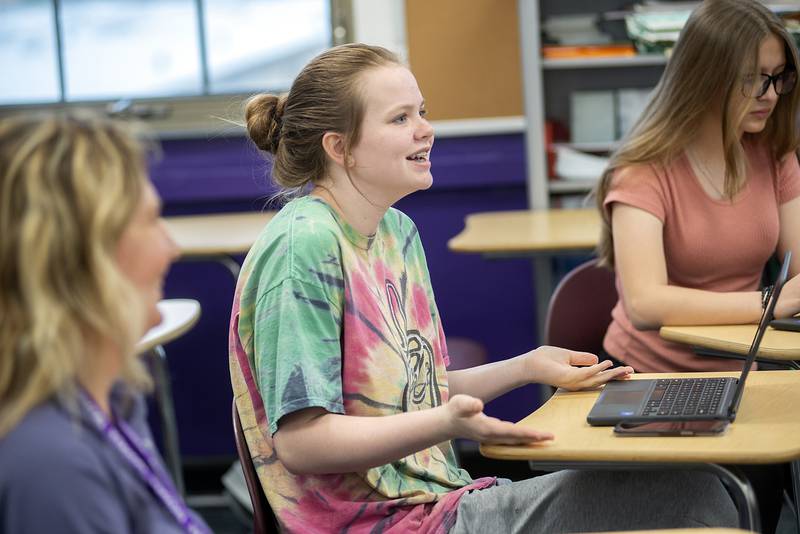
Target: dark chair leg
{"points": [[166, 411]]}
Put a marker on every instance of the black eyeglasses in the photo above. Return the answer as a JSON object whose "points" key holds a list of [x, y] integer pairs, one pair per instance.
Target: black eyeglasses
{"points": [[757, 87]]}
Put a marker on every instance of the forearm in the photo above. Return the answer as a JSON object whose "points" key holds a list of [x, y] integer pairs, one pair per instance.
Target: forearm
{"points": [[334, 443], [489, 381], [652, 307], [650, 301]]}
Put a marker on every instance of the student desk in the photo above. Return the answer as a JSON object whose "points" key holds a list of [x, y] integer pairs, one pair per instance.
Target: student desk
{"points": [[217, 237], [777, 346], [529, 232], [539, 234], [766, 431], [780, 346], [178, 316]]}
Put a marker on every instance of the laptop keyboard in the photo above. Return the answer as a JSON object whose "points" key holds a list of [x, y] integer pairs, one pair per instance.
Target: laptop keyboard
{"points": [[685, 396]]}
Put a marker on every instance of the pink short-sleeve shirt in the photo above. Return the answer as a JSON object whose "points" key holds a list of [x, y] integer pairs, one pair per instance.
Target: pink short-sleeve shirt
{"points": [[709, 244]]}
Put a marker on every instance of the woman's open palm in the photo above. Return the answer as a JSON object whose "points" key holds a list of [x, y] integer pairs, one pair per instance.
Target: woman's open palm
{"points": [[468, 421]]}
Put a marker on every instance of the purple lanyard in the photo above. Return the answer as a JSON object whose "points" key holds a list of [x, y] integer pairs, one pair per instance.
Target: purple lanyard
{"points": [[128, 444]]}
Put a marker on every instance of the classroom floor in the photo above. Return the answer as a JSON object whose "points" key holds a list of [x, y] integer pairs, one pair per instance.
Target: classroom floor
{"points": [[207, 495], [209, 498]]}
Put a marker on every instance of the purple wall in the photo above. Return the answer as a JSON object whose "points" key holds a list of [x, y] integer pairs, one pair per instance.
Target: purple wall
{"points": [[491, 301]]}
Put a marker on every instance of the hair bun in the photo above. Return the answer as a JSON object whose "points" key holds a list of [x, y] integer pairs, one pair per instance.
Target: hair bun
{"points": [[264, 116]]}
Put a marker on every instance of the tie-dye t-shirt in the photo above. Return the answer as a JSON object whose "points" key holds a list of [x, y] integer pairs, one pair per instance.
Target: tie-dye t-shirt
{"points": [[326, 317]]}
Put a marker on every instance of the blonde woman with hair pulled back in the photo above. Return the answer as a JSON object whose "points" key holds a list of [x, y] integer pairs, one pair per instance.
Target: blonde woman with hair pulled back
{"points": [[338, 358], [83, 256]]}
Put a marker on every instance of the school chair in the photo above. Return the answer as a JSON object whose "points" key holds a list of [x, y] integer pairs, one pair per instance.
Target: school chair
{"points": [[465, 353], [264, 520], [579, 311], [580, 308], [178, 316]]}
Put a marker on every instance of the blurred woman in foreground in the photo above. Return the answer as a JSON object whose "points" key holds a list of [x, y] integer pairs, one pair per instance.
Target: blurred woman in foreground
{"points": [[83, 256]]}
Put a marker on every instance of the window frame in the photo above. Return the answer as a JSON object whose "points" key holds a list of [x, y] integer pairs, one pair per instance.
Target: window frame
{"points": [[178, 116]]}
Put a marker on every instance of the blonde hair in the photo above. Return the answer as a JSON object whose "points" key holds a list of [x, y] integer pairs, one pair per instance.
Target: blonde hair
{"points": [[69, 186], [719, 44], [324, 98]]}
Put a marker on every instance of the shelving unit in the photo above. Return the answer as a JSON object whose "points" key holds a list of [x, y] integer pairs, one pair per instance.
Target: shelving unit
{"points": [[548, 84], [590, 147], [604, 62], [570, 186]]}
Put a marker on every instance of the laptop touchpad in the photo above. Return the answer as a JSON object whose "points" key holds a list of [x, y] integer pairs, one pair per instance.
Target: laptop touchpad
{"points": [[620, 400]]}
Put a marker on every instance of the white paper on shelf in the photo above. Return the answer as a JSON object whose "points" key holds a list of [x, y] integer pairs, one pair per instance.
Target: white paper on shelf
{"points": [[592, 116], [574, 165], [630, 104]]}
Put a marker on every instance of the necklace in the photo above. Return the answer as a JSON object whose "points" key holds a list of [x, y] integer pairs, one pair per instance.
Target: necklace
{"points": [[326, 194], [704, 173]]}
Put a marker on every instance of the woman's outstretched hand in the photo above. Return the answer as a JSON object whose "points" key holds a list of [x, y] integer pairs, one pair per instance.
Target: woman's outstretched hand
{"points": [[571, 370], [467, 420]]}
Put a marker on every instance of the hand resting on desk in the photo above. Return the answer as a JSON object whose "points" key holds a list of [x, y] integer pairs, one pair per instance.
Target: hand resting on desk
{"points": [[553, 366], [571, 370]]}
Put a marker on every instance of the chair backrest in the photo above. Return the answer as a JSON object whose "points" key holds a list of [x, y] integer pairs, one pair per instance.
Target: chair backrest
{"points": [[580, 308], [264, 520], [465, 353]]}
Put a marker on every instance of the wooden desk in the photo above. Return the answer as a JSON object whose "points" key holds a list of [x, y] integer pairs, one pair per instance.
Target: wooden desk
{"points": [[776, 344], [178, 316], [535, 233], [209, 235], [767, 430], [217, 237], [529, 232]]}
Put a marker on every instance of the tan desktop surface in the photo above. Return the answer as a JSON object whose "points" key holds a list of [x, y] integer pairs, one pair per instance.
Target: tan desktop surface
{"points": [[528, 231], [216, 234], [776, 344], [767, 429]]}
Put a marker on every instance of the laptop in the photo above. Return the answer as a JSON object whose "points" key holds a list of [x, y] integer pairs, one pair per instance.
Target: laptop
{"points": [[683, 399]]}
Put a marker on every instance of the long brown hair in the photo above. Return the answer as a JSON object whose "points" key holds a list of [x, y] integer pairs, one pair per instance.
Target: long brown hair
{"points": [[69, 186], [324, 98], [717, 46]]}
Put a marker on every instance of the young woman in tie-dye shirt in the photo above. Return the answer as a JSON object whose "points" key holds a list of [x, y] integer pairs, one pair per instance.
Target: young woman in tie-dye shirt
{"points": [[337, 354]]}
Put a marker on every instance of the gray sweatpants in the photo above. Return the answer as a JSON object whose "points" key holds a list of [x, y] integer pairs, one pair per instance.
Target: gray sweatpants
{"points": [[593, 501]]}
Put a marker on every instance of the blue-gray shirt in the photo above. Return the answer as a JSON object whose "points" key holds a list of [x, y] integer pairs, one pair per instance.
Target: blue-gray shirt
{"points": [[58, 474]]}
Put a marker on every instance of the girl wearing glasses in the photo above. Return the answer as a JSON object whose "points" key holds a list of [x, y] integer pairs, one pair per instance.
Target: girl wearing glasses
{"points": [[705, 189]]}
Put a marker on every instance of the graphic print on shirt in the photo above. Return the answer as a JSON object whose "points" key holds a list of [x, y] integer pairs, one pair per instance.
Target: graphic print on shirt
{"points": [[324, 316], [421, 387]]}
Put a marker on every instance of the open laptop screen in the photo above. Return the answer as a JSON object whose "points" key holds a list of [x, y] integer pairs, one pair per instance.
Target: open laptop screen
{"points": [[766, 317]]}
